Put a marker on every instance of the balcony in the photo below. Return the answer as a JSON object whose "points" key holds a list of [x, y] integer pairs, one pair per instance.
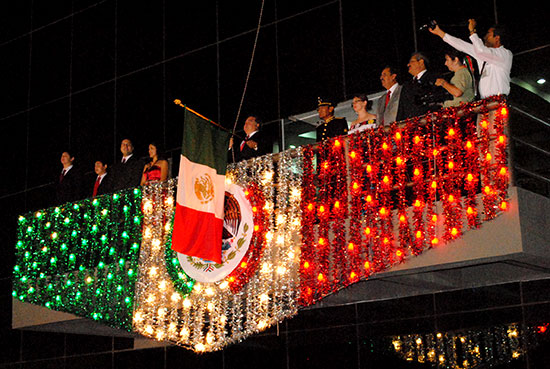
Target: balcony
{"points": [[379, 215]]}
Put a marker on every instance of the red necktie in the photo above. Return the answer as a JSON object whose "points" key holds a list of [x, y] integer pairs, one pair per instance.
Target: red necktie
{"points": [[123, 160], [387, 98], [244, 141], [62, 176], [96, 186]]}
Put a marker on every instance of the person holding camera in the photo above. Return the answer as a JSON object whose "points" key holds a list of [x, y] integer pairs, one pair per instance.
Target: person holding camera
{"points": [[493, 59], [461, 86]]}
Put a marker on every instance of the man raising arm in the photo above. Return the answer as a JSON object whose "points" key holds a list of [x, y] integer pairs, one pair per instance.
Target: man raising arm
{"points": [[493, 59]]}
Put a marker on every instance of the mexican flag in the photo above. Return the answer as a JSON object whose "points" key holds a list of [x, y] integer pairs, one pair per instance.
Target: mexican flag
{"points": [[198, 222]]}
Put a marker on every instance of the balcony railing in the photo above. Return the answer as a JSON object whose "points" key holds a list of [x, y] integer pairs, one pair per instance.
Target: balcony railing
{"points": [[323, 217]]}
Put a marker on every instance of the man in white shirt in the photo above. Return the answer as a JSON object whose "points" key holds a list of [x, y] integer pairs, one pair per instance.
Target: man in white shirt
{"points": [[493, 59], [494, 62]]}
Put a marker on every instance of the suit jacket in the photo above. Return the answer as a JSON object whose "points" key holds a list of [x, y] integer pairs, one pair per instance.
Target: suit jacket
{"points": [[127, 175], [387, 114], [333, 128], [70, 188], [412, 92], [264, 147], [106, 185]]}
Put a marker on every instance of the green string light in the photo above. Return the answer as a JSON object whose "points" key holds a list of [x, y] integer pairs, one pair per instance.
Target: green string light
{"points": [[82, 257]]}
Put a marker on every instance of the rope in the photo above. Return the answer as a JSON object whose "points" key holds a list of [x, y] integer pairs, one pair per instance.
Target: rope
{"points": [[249, 71]]}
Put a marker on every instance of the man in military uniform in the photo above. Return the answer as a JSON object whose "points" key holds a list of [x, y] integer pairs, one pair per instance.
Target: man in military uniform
{"points": [[330, 126]]}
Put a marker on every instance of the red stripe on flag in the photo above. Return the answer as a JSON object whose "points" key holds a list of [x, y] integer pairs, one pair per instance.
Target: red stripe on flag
{"points": [[197, 233]]}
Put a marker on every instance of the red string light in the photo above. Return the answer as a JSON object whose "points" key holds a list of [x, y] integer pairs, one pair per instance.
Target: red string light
{"points": [[404, 189]]}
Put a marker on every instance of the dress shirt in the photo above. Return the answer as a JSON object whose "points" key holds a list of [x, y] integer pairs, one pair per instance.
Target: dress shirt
{"points": [[419, 75], [495, 79], [125, 158], [248, 138], [64, 172]]}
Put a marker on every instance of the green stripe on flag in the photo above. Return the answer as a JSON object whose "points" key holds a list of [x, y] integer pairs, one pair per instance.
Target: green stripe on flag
{"points": [[204, 143]]}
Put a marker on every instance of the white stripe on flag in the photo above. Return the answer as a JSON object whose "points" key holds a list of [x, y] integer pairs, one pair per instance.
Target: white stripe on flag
{"points": [[195, 177]]}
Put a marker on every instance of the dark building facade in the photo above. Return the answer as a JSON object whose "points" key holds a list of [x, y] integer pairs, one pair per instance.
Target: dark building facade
{"points": [[82, 75]]}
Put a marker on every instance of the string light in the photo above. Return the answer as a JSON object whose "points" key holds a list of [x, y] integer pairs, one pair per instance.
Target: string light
{"points": [[344, 228]]}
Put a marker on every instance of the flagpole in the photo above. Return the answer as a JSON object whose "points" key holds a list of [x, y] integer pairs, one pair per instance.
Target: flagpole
{"points": [[178, 102]]}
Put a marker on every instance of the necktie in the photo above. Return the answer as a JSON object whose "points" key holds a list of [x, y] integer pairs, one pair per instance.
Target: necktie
{"points": [[62, 175], [387, 98], [123, 160], [242, 143], [96, 186]]}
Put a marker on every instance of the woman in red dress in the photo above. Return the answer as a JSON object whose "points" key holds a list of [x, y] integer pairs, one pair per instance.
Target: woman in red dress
{"points": [[157, 169]]}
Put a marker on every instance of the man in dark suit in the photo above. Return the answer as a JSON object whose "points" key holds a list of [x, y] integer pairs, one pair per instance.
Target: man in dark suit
{"points": [[103, 183], [69, 184], [388, 104], [413, 102], [127, 173], [254, 144], [330, 125]]}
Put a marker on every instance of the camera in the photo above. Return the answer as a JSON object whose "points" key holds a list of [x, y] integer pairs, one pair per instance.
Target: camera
{"points": [[431, 25], [432, 95]]}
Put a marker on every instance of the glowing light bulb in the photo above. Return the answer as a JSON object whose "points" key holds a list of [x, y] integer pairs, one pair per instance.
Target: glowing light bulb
{"points": [[262, 324]]}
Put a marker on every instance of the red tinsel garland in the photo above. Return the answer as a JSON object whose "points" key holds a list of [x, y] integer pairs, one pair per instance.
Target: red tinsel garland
{"points": [[406, 171], [249, 263]]}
